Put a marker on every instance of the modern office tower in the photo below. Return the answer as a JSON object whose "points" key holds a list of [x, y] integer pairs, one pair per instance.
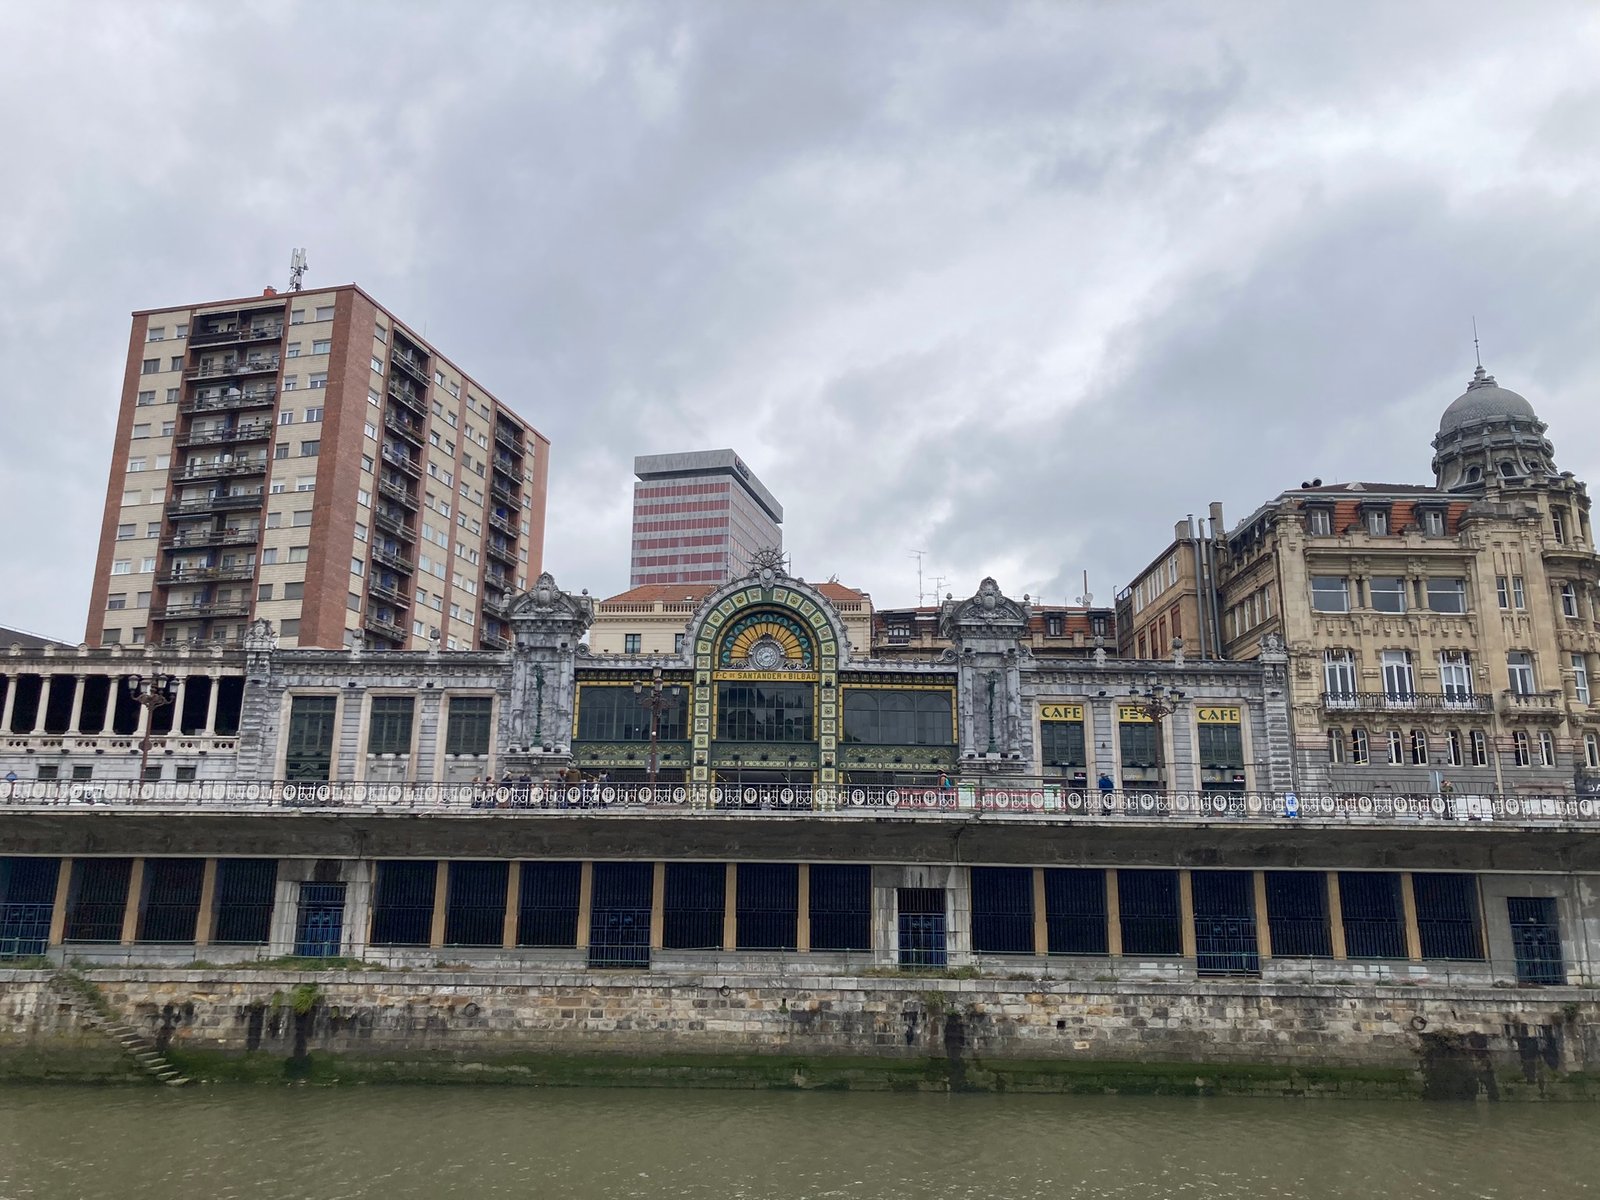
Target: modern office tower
{"points": [[699, 518], [307, 458]]}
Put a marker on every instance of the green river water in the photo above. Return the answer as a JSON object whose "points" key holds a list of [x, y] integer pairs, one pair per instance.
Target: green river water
{"points": [[388, 1143]]}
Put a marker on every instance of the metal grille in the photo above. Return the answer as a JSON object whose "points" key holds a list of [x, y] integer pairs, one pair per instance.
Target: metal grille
{"points": [[547, 904], [1369, 902], [841, 907], [245, 893], [27, 901], [170, 901], [402, 903], [96, 899], [694, 897], [1002, 910], [619, 920], [1152, 922], [922, 927], [319, 929], [1297, 914], [475, 904], [1536, 939], [1447, 916], [1075, 911], [1225, 923], [768, 906]]}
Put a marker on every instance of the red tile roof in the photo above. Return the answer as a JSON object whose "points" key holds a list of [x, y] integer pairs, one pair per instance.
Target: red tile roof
{"points": [[669, 593]]}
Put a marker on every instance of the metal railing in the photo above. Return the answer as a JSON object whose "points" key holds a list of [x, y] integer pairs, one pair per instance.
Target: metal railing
{"points": [[1405, 702], [250, 398], [965, 800], [248, 431]]}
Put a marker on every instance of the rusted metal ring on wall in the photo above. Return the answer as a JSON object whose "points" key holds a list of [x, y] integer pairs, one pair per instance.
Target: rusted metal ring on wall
{"points": [[1419, 1023]]}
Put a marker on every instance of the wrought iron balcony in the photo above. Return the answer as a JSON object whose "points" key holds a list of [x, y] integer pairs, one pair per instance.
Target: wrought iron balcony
{"points": [[1405, 702], [415, 368], [201, 539], [408, 396], [243, 333], [392, 559], [212, 504], [245, 431], [238, 398], [232, 367]]}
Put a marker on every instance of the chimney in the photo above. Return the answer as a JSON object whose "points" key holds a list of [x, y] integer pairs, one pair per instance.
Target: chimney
{"points": [[1181, 531], [1218, 529], [269, 291]]}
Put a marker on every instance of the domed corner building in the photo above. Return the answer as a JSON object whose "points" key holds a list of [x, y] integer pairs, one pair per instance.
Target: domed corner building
{"points": [[1490, 435]]}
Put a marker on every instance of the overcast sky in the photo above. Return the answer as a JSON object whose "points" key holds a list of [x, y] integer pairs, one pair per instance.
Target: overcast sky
{"points": [[1016, 285]]}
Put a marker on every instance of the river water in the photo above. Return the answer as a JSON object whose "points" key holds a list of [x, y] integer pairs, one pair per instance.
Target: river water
{"points": [[356, 1143]]}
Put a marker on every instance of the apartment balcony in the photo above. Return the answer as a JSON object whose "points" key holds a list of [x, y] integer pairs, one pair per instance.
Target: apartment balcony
{"points": [[394, 521], [201, 609], [235, 367], [496, 604], [246, 333], [219, 469], [414, 367], [394, 419], [403, 462], [409, 396], [508, 466], [1366, 702], [508, 436], [202, 539], [501, 493], [214, 504], [390, 594], [396, 490], [493, 641], [392, 559], [245, 431], [180, 573], [504, 551], [1529, 706], [383, 628], [503, 524], [232, 401]]}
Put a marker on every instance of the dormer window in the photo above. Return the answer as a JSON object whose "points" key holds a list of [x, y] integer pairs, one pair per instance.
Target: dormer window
{"points": [[1319, 522], [1377, 520], [1432, 521]]}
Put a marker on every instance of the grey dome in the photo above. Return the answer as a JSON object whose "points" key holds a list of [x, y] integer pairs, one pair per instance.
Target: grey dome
{"points": [[1485, 400]]}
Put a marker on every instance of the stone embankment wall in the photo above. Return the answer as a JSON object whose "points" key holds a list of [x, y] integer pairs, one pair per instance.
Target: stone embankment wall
{"points": [[822, 1031]]}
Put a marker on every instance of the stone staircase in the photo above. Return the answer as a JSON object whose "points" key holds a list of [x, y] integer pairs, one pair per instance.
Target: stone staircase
{"points": [[93, 1010]]}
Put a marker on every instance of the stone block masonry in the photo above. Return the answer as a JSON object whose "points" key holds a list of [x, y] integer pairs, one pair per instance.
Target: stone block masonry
{"points": [[771, 1030]]}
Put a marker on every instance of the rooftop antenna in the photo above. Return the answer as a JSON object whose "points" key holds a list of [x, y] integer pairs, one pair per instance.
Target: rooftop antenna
{"points": [[1087, 599], [917, 554], [1476, 353], [297, 268], [938, 589]]}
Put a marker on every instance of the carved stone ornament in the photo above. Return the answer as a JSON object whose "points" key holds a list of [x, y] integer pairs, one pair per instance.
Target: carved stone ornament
{"points": [[261, 637], [989, 608], [546, 608]]}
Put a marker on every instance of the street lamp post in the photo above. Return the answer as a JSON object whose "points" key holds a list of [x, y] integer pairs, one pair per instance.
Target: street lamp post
{"points": [[1157, 704], [657, 699], [150, 693]]}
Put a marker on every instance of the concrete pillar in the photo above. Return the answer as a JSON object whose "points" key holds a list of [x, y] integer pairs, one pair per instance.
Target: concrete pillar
{"points": [[175, 728], [585, 901], [441, 898], [802, 915], [211, 705], [508, 936], [44, 705], [113, 684], [58, 912], [359, 879], [958, 916], [1113, 915], [77, 704], [1041, 922], [1186, 912], [1408, 908], [730, 907], [10, 703], [130, 911], [285, 912], [208, 904], [1336, 918], [658, 905], [1263, 929]]}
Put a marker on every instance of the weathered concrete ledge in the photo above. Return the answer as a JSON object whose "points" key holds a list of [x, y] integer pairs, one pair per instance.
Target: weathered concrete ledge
{"points": [[818, 1031]]}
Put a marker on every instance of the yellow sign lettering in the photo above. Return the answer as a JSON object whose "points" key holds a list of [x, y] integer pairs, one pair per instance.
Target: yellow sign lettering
{"points": [[1217, 716], [1061, 712]]}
